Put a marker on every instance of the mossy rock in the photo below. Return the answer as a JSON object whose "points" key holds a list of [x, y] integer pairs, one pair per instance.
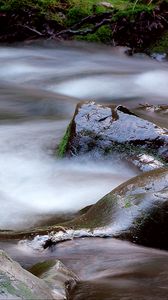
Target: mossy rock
{"points": [[105, 130], [56, 275], [137, 210], [17, 283]]}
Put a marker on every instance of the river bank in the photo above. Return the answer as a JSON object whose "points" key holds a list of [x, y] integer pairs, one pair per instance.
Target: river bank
{"points": [[140, 26]]}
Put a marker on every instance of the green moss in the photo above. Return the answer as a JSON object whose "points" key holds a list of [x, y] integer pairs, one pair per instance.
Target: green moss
{"points": [[75, 14], [62, 147], [42, 5], [133, 151], [75, 10], [82, 8], [42, 267], [6, 285], [17, 289], [131, 11], [26, 292], [128, 203], [142, 219], [161, 45], [56, 17], [92, 219], [8, 5], [102, 35]]}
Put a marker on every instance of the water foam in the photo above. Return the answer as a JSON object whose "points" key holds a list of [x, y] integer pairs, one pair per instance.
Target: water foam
{"points": [[34, 182]]}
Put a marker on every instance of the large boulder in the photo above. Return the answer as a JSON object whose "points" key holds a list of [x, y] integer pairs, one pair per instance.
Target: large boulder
{"points": [[103, 130], [137, 210]]}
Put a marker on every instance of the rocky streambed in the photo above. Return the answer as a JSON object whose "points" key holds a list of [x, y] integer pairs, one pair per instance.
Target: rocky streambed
{"points": [[95, 242], [137, 210]]}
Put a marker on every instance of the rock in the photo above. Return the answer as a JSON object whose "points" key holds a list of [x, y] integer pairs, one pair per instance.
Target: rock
{"points": [[137, 211], [105, 4], [154, 108], [159, 56], [57, 276], [17, 283], [102, 130]]}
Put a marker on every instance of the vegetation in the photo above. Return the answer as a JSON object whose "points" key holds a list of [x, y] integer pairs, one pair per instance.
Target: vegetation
{"points": [[161, 45], [62, 147], [137, 24]]}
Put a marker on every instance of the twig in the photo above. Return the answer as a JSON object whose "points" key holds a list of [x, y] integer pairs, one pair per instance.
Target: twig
{"points": [[31, 29], [92, 18], [70, 31]]}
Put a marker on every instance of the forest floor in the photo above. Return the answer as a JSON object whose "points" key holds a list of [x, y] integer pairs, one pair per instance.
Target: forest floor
{"points": [[142, 26]]}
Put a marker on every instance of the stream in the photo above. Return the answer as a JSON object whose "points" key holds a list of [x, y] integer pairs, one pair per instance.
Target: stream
{"points": [[41, 83]]}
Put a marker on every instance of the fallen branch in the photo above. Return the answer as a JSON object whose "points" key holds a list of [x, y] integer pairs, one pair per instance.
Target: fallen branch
{"points": [[92, 19], [31, 29], [72, 32]]}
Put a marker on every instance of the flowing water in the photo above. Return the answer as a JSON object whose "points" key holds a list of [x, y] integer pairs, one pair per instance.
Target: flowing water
{"points": [[40, 87]]}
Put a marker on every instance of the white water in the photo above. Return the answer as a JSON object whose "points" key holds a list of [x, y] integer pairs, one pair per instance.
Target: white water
{"points": [[39, 90], [34, 182], [146, 84]]}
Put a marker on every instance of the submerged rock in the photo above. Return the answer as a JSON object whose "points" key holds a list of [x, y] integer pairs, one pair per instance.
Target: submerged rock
{"points": [[57, 276], [16, 283], [163, 108], [104, 130]]}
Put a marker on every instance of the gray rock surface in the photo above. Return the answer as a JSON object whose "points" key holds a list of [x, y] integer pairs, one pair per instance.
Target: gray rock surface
{"points": [[17, 283], [103, 130], [57, 276]]}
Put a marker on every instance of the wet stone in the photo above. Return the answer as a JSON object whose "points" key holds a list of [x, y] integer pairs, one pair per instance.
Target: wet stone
{"points": [[103, 130], [53, 281], [137, 211], [17, 283]]}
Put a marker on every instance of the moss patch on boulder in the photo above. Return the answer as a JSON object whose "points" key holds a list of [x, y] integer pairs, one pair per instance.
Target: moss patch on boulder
{"points": [[62, 147]]}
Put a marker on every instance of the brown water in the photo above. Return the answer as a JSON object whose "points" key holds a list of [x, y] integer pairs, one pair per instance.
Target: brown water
{"points": [[108, 268], [40, 86]]}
